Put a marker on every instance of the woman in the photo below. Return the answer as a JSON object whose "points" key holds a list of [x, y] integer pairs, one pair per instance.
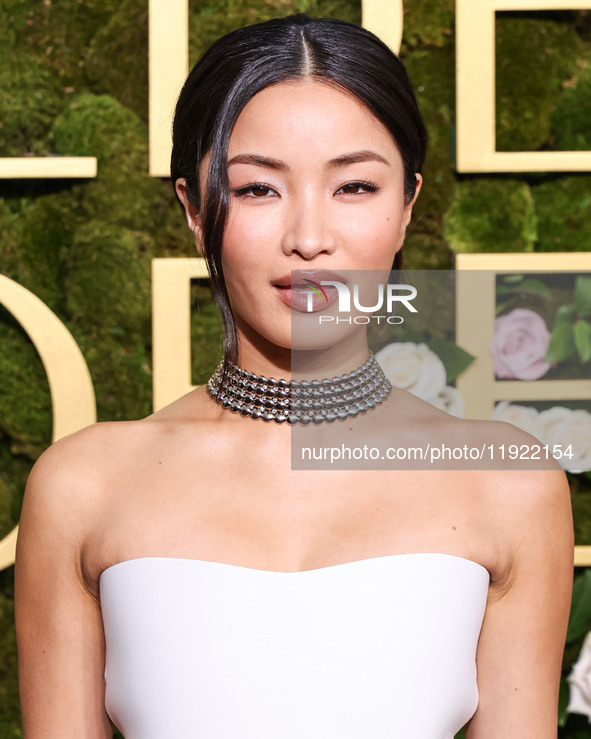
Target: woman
{"points": [[223, 593]]}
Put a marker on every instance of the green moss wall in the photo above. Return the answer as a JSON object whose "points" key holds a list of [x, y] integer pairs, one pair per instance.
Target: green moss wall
{"points": [[73, 81]]}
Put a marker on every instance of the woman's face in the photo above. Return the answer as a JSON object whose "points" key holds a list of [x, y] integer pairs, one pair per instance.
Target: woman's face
{"points": [[316, 183]]}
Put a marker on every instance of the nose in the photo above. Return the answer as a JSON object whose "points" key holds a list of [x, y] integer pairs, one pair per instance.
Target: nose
{"points": [[308, 228]]}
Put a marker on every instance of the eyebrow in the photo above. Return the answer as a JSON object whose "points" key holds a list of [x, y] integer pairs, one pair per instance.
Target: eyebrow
{"points": [[342, 161], [260, 161], [354, 157]]}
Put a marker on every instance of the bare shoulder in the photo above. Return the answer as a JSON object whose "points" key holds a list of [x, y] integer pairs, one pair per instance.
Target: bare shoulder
{"points": [[518, 475], [521, 488], [457, 443], [74, 479], [88, 454], [63, 474], [63, 492], [528, 510], [524, 499], [75, 472], [522, 639], [75, 464], [58, 619]]}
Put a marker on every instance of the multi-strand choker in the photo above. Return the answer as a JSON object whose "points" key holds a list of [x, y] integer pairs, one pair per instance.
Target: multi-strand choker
{"points": [[306, 401]]}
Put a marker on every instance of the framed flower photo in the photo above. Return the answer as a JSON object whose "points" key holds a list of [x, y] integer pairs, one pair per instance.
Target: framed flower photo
{"points": [[526, 318]]}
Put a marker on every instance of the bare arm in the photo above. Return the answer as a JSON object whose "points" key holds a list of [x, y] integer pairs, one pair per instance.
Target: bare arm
{"points": [[522, 640], [59, 626]]}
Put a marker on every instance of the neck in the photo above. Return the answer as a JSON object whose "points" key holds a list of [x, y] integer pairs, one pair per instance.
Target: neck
{"points": [[315, 362]]}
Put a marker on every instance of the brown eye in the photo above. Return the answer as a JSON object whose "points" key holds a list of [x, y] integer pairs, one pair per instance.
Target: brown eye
{"points": [[259, 190], [256, 190], [357, 188]]}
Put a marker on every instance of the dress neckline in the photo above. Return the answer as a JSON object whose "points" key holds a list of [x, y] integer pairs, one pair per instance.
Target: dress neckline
{"points": [[293, 573]]}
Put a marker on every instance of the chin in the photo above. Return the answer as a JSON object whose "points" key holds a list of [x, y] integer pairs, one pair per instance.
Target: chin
{"points": [[325, 337]]}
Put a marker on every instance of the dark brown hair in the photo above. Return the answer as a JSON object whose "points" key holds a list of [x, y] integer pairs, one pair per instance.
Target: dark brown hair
{"points": [[244, 62]]}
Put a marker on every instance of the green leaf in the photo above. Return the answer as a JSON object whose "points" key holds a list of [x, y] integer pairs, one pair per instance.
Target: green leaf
{"points": [[531, 285], [562, 342], [583, 296], [579, 622], [506, 305], [582, 336], [563, 698], [506, 290], [565, 314], [454, 358]]}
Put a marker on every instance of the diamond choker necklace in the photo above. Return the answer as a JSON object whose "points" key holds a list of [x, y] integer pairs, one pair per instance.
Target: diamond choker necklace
{"points": [[301, 402]]}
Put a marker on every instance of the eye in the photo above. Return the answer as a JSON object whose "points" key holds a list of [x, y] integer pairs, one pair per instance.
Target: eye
{"points": [[358, 187], [257, 190]]}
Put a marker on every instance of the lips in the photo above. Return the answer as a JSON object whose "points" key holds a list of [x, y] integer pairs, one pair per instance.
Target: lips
{"points": [[303, 292], [302, 277]]}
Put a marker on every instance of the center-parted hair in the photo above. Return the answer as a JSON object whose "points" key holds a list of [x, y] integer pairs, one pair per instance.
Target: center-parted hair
{"points": [[242, 63]]}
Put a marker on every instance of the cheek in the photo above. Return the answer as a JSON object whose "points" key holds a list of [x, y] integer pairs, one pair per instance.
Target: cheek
{"points": [[239, 240], [378, 230], [245, 244], [236, 266], [248, 235]]}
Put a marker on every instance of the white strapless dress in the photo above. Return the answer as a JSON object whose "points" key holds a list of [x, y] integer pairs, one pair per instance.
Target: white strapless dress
{"points": [[379, 648]]}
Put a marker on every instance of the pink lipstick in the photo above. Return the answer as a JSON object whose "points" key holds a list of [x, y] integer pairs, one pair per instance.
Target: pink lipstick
{"points": [[303, 291]]}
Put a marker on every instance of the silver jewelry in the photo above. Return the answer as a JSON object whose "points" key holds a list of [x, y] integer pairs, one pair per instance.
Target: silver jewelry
{"points": [[301, 402]]}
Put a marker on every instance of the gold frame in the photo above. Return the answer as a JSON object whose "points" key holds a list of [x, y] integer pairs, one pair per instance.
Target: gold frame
{"points": [[171, 326], [72, 394], [39, 168], [475, 85], [475, 294]]}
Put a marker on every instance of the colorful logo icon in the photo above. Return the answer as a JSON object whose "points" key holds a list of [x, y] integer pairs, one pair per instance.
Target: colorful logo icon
{"points": [[316, 288]]}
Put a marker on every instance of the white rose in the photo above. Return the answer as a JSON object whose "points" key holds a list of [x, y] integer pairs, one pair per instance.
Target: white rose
{"points": [[413, 367], [522, 416], [579, 682], [450, 401], [571, 432]]}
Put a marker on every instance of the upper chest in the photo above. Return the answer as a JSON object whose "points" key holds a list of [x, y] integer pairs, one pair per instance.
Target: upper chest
{"points": [[245, 505]]}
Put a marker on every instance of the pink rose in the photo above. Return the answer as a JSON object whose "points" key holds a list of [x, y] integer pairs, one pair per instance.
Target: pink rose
{"points": [[519, 345]]}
